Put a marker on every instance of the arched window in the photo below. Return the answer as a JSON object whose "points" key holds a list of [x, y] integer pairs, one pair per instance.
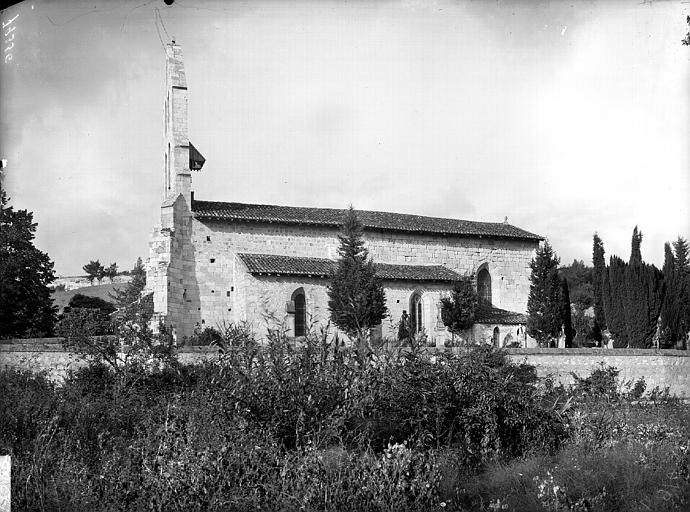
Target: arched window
{"points": [[416, 317], [484, 286], [497, 337], [300, 312]]}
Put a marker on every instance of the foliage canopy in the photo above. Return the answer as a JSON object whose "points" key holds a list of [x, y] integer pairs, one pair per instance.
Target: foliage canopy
{"points": [[458, 311], [26, 307], [356, 299], [546, 303]]}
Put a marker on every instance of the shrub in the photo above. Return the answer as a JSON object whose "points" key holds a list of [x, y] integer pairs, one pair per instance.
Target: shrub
{"points": [[297, 426], [602, 383]]}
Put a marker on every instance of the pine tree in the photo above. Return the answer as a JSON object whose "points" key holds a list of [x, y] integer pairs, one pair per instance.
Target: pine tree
{"points": [[94, 270], [544, 305], [598, 283], [26, 307], [110, 271], [356, 299], [131, 293]]}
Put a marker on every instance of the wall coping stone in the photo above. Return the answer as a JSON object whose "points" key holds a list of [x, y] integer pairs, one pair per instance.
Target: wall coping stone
{"points": [[604, 352], [29, 341], [55, 345]]}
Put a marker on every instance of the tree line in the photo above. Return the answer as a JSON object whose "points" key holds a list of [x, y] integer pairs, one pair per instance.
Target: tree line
{"points": [[637, 304], [96, 270]]}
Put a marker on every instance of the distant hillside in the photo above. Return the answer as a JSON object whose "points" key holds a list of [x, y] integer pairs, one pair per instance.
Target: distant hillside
{"points": [[74, 282], [102, 291]]}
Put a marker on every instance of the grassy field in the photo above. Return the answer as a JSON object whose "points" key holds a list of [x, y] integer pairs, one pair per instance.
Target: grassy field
{"points": [[320, 427]]}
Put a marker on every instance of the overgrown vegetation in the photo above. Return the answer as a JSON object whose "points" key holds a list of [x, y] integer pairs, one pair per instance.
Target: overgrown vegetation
{"points": [[309, 427]]}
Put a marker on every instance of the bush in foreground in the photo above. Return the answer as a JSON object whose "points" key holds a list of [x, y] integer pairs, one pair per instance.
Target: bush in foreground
{"points": [[312, 428]]}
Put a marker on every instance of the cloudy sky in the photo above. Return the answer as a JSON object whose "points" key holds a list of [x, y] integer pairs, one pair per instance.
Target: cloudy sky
{"points": [[566, 117]]}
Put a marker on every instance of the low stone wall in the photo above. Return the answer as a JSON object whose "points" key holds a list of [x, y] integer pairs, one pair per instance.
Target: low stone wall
{"points": [[47, 354], [662, 368], [38, 354]]}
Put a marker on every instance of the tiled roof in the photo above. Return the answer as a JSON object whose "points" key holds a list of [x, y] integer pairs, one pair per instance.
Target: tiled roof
{"points": [[416, 272], [321, 267], [331, 217], [494, 315], [286, 265]]}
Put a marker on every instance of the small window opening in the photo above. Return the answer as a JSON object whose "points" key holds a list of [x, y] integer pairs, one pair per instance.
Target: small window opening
{"points": [[227, 294], [300, 312], [484, 286], [416, 315], [213, 260], [208, 238], [232, 288]]}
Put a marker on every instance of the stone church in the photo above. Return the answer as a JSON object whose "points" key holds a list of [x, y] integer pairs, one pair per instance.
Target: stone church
{"points": [[213, 263]]}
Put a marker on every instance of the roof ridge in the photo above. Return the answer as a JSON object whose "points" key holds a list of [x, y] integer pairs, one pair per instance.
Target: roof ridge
{"points": [[343, 210], [371, 219]]}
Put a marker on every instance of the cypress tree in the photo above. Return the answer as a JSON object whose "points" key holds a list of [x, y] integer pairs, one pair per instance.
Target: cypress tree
{"points": [[643, 286], [670, 310], [642, 299], [566, 314], [635, 250], [682, 277], [655, 294], [680, 247], [634, 305], [615, 310], [598, 284]]}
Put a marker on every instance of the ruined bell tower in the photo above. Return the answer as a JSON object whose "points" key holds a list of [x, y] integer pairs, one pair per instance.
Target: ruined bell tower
{"points": [[178, 177], [170, 268]]}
